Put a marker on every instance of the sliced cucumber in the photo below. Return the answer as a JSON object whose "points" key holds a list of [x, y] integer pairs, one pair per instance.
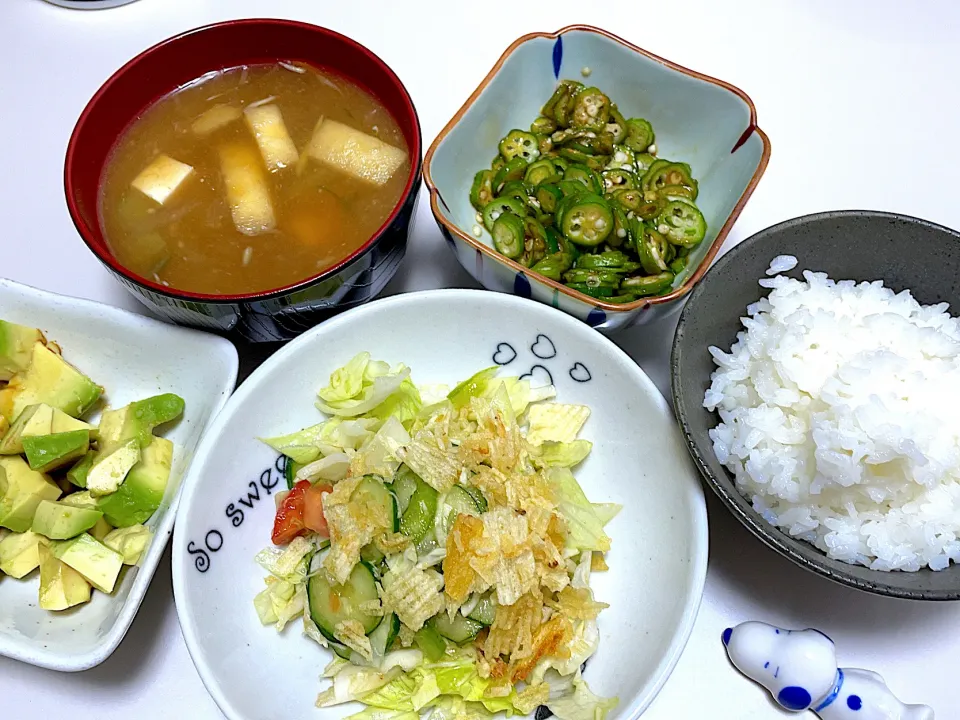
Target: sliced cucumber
{"points": [[418, 518], [430, 642], [331, 605], [341, 650], [371, 554], [404, 485], [385, 633], [485, 611], [290, 472], [457, 500], [460, 629], [477, 496], [371, 491]]}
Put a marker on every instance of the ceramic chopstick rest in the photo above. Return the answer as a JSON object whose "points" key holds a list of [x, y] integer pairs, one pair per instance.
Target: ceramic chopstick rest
{"points": [[799, 668]]}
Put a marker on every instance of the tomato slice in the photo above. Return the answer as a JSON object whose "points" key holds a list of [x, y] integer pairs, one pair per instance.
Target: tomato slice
{"points": [[313, 517], [288, 523]]}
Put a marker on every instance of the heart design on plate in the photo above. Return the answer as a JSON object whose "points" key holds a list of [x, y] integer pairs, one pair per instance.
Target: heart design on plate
{"points": [[539, 376], [543, 347], [580, 373], [504, 354]]}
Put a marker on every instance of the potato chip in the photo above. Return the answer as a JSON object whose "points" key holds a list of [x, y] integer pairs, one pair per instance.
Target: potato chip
{"points": [[458, 575], [413, 594], [351, 634]]}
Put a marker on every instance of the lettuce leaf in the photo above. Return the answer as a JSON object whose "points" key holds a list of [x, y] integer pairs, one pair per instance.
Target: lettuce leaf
{"points": [[454, 708], [581, 703], [474, 386], [280, 602], [352, 682], [379, 714], [404, 405], [558, 454], [521, 394], [326, 438], [289, 563], [419, 688], [585, 521], [360, 386]]}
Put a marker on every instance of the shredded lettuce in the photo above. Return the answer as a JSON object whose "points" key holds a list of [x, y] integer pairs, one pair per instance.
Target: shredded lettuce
{"points": [[581, 703], [404, 405], [280, 602], [332, 468], [379, 714], [290, 563], [360, 386], [300, 446], [326, 438], [521, 394], [454, 708], [353, 682], [474, 386], [558, 454], [585, 522]]}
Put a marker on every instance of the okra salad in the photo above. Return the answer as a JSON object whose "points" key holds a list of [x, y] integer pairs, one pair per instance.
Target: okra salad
{"points": [[438, 543], [583, 199]]}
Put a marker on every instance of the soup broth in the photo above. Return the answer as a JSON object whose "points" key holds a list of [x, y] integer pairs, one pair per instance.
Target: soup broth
{"points": [[252, 178]]}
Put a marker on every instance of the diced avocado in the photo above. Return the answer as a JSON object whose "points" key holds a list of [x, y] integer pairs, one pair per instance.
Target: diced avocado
{"points": [[130, 542], [140, 495], [109, 469], [77, 475], [59, 521], [49, 452], [91, 558], [64, 423], [16, 344], [33, 420], [61, 586], [138, 420], [101, 529], [21, 491], [18, 553], [82, 499], [52, 380]]}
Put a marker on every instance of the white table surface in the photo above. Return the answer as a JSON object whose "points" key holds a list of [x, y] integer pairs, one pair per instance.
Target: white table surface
{"points": [[860, 100]]}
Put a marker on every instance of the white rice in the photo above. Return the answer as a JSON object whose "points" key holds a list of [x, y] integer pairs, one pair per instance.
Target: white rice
{"points": [[840, 419]]}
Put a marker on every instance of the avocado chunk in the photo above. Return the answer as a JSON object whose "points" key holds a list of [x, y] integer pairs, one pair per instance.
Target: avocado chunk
{"points": [[52, 380], [130, 542], [49, 452], [140, 495], [33, 420], [59, 521], [91, 558], [77, 475], [19, 555], [16, 344], [21, 492], [61, 586], [111, 467], [101, 529], [138, 420], [82, 499]]}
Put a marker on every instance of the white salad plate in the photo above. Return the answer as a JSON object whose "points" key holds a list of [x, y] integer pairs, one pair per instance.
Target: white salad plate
{"points": [[658, 559], [133, 357]]}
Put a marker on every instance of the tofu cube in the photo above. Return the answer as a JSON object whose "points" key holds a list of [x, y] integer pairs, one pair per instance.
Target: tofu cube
{"points": [[160, 179], [363, 156], [276, 146], [215, 118], [247, 192]]}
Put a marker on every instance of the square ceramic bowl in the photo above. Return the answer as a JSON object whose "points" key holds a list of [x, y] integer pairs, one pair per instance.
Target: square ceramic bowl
{"points": [[659, 540], [705, 122], [132, 357]]}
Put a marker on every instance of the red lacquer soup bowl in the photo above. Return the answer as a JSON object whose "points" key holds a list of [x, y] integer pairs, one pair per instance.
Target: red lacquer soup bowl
{"points": [[283, 312]]}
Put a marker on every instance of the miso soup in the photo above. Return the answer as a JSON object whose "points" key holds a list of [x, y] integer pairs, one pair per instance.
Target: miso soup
{"points": [[252, 178]]}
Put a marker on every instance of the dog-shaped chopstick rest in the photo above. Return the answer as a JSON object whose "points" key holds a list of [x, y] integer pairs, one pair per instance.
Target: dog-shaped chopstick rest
{"points": [[799, 668]]}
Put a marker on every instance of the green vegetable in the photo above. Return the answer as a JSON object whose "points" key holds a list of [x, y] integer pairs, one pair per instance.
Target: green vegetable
{"points": [[582, 182], [482, 190], [508, 235], [639, 134], [496, 208], [519, 144], [682, 223]]}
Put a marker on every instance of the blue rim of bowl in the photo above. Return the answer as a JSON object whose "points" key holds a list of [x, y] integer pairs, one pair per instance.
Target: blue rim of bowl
{"points": [[694, 278]]}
